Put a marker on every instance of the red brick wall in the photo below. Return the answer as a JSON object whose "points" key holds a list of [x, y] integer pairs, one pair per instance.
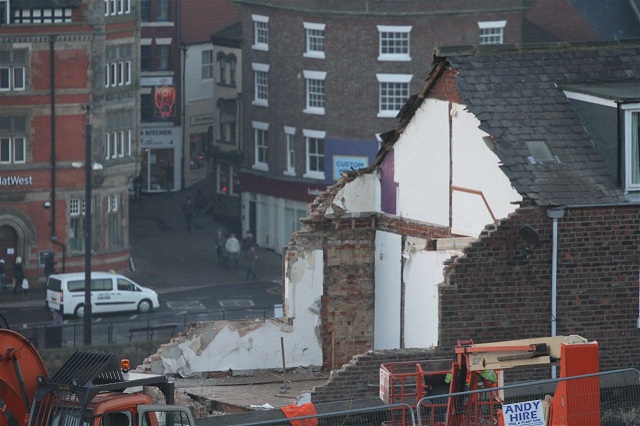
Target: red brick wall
{"points": [[494, 295]]}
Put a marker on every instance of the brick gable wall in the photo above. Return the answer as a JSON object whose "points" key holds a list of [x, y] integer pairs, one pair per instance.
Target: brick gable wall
{"points": [[494, 295]]}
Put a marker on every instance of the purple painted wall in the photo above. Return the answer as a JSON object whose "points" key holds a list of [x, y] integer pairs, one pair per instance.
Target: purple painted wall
{"points": [[387, 185]]}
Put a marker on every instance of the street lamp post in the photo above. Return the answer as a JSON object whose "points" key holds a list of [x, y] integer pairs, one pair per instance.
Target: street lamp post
{"points": [[88, 166]]}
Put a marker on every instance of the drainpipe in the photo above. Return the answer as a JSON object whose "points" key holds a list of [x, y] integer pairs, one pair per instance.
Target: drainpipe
{"points": [[555, 214]]}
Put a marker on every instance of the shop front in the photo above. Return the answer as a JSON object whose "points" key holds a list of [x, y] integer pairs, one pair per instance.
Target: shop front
{"points": [[161, 165]]}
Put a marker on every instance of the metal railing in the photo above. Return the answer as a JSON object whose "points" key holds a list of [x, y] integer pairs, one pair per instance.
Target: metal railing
{"points": [[607, 399], [144, 328]]}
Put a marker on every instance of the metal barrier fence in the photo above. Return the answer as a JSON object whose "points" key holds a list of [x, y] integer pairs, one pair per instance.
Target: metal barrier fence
{"points": [[609, 398], [45, 335], [394, 414]]}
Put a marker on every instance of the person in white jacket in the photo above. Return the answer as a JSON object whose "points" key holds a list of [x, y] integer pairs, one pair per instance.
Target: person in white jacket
{"points": [[233, 248]]}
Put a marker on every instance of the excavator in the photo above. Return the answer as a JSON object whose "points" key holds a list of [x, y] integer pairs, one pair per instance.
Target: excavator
{"points": [[90, 389], [481, 366]]}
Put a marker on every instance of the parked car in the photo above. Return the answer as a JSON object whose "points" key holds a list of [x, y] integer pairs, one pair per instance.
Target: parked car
{"points": [[109, 293]]}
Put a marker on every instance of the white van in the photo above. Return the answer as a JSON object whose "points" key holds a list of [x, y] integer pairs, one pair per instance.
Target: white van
{"points": [[109, 293]]}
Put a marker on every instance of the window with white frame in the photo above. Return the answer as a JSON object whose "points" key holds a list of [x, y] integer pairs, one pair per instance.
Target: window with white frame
{"points": [[30, 15], [207, 64], [13, 69], [261, 84], [315, 92], [13, 141], [632, 146], [118, 144], [12, 150], [112, 203], [393, 93], [492, 32], [394, 43], [315, 40], [222, 68], [314, 141], [114, 144], [260, 161], [289, 135], [123, 143], [260, 32], [75, 239], [114, 222]]}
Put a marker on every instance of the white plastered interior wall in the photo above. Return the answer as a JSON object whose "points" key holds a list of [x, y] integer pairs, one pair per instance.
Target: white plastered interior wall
{"points": [[386, 334], [246, 345], [421, 156], [476, 168]]}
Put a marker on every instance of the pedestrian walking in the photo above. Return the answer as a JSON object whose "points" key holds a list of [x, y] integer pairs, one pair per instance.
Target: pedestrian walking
{"points": [[249, 243], [189, 209], [49, 265], [137, 187], [3, 285], [201, 208], [233, 248], [18, 274], [57, 320], [251, 263], [219, 247]]}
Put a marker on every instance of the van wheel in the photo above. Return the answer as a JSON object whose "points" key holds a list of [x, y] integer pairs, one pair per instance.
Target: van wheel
{"points": [[144, 306], [79, 312]]}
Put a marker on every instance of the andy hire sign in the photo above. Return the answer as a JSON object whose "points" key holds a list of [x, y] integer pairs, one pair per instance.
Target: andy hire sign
{"points": [[529, 413]]}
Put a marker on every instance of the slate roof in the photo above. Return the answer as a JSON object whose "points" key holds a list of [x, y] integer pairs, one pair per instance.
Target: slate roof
{"points": [[514, 92]]}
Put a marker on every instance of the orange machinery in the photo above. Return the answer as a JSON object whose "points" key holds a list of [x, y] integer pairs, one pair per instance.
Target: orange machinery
{"points": [[85, 389], [471, 362], [576, 357]]}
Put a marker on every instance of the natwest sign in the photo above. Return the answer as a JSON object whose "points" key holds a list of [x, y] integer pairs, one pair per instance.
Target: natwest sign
{"points": [[16, 180]]}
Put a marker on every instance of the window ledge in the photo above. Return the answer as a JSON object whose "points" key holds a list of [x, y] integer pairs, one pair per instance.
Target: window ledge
{"points": [[260, 102], [396, 58], [314, 175], [314, 111], [260, 166], [314, 55], [387, 114]]}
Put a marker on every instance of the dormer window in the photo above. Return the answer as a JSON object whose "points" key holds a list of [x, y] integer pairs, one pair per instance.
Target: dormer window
{"points": [[610, 113]]}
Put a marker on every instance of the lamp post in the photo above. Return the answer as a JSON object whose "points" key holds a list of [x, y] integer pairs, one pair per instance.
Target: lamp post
{"points": [[88, 165]]}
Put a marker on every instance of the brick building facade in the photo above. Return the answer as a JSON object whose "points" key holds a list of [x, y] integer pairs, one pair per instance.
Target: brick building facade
{"points": [[57, 59]]}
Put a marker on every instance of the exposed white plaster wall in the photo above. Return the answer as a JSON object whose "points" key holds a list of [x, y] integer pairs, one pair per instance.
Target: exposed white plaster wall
{"points": [[246, 345], [421, 158], [422, 274], [477, 168], [361, 195], [386, 334]]}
